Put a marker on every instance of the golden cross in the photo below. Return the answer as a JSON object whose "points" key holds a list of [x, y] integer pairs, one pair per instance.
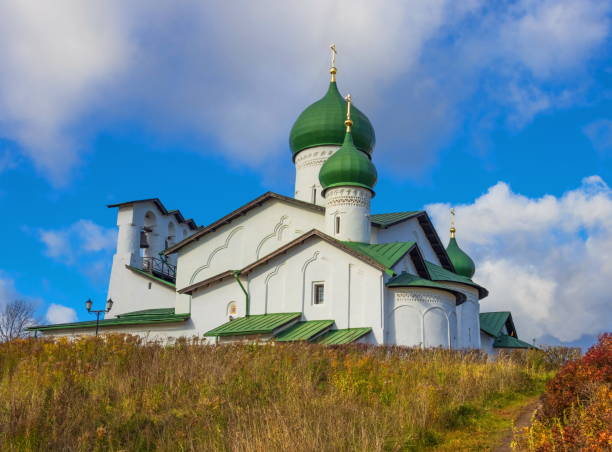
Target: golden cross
{"points": [[333, 55], [452, 228], [348, 121]]}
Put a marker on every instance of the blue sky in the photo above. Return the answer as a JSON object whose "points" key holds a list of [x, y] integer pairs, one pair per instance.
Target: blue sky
{"points": [[504, 112]]}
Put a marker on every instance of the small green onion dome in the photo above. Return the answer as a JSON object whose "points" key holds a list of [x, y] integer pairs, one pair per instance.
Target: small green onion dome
{"points": [[348, 167], [321, 124], [464, 265]]}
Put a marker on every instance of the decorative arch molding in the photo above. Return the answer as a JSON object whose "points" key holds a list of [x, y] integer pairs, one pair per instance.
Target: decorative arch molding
{"points": [[453, 331], [278, 233], [214, 252], [391, 321], [308, 261], [448, 332], [269, 276]]}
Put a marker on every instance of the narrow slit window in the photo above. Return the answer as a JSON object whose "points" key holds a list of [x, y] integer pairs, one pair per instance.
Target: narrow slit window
{"points": [[319, 293], [314, 195], [337, 225]]}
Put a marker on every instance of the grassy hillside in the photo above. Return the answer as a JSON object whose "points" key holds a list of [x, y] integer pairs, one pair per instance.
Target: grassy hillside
{"points": [[118, 394]]}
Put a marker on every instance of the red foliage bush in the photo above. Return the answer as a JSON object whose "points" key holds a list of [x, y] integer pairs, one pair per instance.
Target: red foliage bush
{"points": [[576, 381]]}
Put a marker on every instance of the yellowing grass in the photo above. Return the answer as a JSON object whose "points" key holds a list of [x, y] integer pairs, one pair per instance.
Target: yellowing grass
{"points": [[116, 393]]}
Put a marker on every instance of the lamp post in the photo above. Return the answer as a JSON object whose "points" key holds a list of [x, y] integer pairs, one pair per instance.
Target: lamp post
{"points": [[97, 312]]}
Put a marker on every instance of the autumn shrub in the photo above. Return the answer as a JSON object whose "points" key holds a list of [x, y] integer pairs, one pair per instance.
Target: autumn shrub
{"points": [[576, 410], [121, 393]]}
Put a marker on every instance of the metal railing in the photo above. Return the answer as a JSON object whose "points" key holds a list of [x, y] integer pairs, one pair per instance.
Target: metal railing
{"points": [[160, 268]]}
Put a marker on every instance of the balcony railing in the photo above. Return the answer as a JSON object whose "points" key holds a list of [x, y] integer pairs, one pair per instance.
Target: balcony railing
{"points": [[160, 268]]}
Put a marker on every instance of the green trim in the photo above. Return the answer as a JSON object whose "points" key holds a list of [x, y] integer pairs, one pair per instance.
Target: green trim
{"points": [[346, 336], [386, 254], [145, 317], [408, 280], [505, 341], [254, 324], [151, 277], [493, 322], [247, 298], [441, 274], [388, 219], [304, 331]]}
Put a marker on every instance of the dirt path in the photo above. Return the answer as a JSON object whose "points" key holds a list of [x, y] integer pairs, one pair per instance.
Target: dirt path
{"points": [[523, 419]]}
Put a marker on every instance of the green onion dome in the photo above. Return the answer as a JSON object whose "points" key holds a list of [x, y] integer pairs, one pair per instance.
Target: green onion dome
{"points": [[464, 265], [348, 167], [321, 124]]}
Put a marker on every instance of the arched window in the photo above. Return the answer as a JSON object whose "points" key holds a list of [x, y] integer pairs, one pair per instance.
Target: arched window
{"points": [[232, 310], [171, 239], [146, 235]]}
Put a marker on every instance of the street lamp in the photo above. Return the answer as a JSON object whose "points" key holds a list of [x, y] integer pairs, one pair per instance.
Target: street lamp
{"points": [[97, 312]]}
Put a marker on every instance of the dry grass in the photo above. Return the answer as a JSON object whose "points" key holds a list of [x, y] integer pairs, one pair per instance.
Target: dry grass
{"points": [[116, 393]]}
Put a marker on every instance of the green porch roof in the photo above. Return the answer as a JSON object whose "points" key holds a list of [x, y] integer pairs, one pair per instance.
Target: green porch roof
{"points": [[493, 322], [346, 336], [303, 331], [387, 219], [151, 276], [441, 274], [386, 254], [405, 279], [144, 317], [505, 341], [254, 324]]}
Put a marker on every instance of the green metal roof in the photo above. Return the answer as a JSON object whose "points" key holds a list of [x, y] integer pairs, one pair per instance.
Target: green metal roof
{"points": [[322, 123], [152, 277], [386, 254], [254, 324], [303, 331], [348, 167], [505, 341], [441, 274], [387, 219], [346, 336], [405, 279], [145, 317], [493, 322], [464, 265]]}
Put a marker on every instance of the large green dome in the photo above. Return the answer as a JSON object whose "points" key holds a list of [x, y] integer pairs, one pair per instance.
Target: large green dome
{"points": [[464, 265], [348, 167], [322, 123]]}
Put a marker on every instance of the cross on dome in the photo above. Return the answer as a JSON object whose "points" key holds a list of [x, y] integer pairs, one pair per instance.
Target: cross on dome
{"points": [[333, 70]]}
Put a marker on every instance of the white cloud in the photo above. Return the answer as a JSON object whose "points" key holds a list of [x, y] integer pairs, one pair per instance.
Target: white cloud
{"points": [[7, 290], [57, 313], [551, 36], [547, 259], [213, 68], [82, 237], [600, 134]]}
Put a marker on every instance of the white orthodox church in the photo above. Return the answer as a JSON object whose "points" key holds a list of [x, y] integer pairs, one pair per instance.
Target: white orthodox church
{"points": [[318, 267]]}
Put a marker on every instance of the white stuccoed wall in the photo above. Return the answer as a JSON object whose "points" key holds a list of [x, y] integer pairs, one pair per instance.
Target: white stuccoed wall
{"points": [[421, 317], [308, 163], [352, 206], [126, 288], [468, 316], [353, 290], [241, 242], [486, 342]]}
